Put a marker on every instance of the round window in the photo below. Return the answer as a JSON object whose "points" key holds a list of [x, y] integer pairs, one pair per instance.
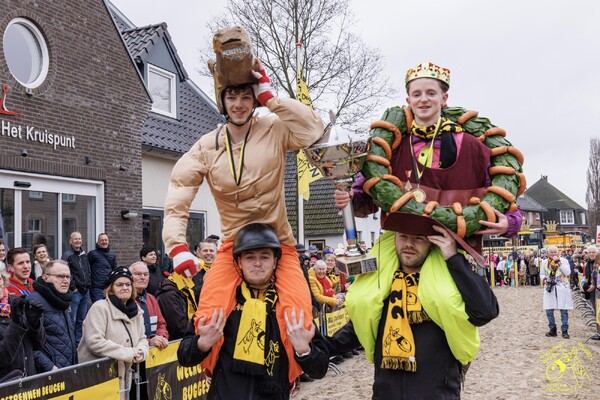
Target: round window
{"points": [[26, 52]]}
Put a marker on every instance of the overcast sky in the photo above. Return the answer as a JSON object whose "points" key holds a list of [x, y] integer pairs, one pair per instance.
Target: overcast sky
{"points": [[528, 65]]}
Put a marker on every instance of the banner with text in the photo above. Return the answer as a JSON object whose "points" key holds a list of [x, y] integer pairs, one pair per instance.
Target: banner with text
{"points": [[93, 380], [167, 380]]}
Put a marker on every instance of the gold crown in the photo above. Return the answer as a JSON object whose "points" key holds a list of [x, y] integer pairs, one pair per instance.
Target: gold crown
{"points": [[428, 70]]}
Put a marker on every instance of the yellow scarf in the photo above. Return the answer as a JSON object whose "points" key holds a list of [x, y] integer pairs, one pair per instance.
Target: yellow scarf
{"points": [[251, 336], [404, 309], [430, 133]]}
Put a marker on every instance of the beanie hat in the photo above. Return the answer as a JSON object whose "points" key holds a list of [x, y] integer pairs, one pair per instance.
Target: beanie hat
{"points": [[119, 272]]}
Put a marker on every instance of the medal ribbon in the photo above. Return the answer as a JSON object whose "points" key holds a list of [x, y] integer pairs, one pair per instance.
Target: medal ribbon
{"points": [[237, 175], [426, 156]]}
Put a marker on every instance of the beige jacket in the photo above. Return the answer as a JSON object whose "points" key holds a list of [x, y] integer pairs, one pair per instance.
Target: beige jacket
{"points": [[104, 335], [260, 196]]}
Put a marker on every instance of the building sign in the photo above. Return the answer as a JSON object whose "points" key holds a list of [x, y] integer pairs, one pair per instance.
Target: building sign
{"points": [[32, 134], [29, 132]]}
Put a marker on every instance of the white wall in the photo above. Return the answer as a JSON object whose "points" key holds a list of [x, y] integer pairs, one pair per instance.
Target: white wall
{"points": [[156, 172]]}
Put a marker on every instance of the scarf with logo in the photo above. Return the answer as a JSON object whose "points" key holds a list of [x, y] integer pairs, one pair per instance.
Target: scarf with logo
{"points": [[258, 345], [404, 309], [327, 289], [444, 128]]}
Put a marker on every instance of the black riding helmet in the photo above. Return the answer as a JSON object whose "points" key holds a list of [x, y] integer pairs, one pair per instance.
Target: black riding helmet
{"points": [[256, 236]]}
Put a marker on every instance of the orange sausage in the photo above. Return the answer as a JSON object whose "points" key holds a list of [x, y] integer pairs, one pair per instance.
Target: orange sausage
{"points": [[495, 131], [386, 147], [496, 151], [522, 184], [409, 117], [474, 200], [515, 152], [500, 191], [390, 127], [402, 200], [488, 210], [393, 179], [378, 159], [369, 184], [466, 116], [501, 169], [457, 208], [513, 207], [461, 226], [430, 206]]}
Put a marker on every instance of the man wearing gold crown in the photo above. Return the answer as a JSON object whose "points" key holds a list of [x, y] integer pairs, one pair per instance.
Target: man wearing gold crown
{"points": [[440, 161], [243, 162]]}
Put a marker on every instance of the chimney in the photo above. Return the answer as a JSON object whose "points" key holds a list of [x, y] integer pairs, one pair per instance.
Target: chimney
{"points": [[545, 177]]}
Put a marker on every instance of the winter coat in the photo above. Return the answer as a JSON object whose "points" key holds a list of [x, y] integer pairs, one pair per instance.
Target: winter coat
{"points": [[158, 325], [559, 298], [80, 269], [317, 288], [60, 349], [175, 305], [108, 332], [154, 279], [18, 341], [102, 262]]}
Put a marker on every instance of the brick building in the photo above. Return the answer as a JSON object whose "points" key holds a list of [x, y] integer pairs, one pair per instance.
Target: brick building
{"points": [[72, 108]]}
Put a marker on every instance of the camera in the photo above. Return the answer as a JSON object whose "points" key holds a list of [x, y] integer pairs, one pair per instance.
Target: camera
{"points": [[550, 284]]}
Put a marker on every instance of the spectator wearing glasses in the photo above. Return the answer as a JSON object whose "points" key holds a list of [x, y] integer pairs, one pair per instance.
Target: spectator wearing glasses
{"points": [[52, 292], [114, 327]]}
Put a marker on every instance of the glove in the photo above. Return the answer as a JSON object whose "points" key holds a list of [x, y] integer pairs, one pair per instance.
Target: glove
{"points": [[17, 311], [262, 90], [33, 312], [184, 262]]}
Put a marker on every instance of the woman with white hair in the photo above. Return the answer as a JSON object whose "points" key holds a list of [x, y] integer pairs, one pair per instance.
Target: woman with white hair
{"points": [[321, 285]]}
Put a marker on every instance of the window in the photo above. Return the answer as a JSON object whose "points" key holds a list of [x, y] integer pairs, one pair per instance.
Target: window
{"points": [[26, 52], [566, 217], [582, 218], [69, 198], [34, 225], [36, 195], [161, 84]]}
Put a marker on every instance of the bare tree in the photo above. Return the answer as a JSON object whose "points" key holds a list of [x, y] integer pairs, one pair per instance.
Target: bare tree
{"points": [[592, 196], [341, 71]]}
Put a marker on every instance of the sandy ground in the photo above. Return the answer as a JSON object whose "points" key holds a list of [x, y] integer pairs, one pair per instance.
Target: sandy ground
{"points": [[516, 361]]}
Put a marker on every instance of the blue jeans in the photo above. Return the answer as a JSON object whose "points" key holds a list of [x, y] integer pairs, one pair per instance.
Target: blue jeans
{"points": [[564, 319], [79, 307], [96, 294]]}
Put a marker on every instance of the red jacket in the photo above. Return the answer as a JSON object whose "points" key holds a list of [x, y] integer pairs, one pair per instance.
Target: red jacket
{"points": [[18, 289], [157, 321]]}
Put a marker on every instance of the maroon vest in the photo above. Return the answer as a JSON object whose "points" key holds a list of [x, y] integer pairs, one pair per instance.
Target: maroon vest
{"points": [[467, 177]]}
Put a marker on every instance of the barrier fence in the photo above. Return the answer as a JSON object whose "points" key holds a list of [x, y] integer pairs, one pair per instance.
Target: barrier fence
{"points": [[160, 376]]}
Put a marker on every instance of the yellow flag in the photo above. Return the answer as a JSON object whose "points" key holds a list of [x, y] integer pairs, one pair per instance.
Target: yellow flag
{"points": [[307, 172], [302, 90]]}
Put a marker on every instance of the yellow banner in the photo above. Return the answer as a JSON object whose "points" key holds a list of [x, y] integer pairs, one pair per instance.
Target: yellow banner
{"points": [[158, 357], [336, 320]]}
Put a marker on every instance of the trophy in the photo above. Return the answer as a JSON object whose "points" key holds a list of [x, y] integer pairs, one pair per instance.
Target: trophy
{"points": [[339, 155]]}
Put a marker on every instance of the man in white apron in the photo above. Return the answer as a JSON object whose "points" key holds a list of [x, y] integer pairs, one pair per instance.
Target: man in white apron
{"points": [[554, 272]]}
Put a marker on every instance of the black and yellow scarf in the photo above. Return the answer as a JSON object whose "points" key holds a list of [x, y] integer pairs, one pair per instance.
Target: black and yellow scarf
{"points": [[258, 345], [444, 128], [398, 344]]}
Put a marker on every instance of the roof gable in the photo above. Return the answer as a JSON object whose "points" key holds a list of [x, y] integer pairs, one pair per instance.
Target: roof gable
{"points": [[143, 41], [526, 203], [550, 197]]}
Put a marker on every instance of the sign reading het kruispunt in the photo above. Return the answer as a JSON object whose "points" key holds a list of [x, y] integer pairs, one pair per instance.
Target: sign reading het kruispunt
{"points": [[14, 130]]}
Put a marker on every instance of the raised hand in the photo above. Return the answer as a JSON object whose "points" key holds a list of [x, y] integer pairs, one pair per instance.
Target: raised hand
{"points": [[299, 336], [210, 333], [183, 259], [262, 90], [445, 242]]}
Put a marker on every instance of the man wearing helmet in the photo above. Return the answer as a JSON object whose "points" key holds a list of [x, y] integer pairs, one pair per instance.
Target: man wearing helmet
{"points": [[243, 162], [244, 350]]}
